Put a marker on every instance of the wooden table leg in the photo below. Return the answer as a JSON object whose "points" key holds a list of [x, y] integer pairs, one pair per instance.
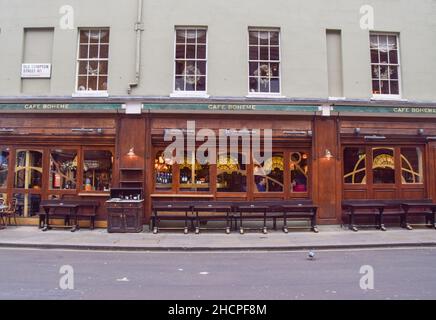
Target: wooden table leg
{"points": [[382, 225], [285, 222], [241, 228], [265, 229], [352, 224], [46, 220]]}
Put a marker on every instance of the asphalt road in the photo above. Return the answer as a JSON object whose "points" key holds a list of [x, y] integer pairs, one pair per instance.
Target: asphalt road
{"points": [[398, 274]]}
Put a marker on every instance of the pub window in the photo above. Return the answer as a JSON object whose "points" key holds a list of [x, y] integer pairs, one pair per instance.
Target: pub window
{"points": [[355, 165], [299, 167], [193, 175], [231, 173], [63, 169], [383, 165], [4, 163], [28, 170], [411, 165], [97, 170], [163, 172], [269, 177], [27, 204], [264, 61], [93, 60], [190, 60], [385, 64]]}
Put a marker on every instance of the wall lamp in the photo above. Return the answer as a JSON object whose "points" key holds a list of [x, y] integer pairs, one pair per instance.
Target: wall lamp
{"points": [[375, 137], [421, 132], [6, 130], [357, 131], [131, 153], [87, 130], [328, 154]]}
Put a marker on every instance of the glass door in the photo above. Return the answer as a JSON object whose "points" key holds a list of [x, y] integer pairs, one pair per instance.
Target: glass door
{"points": [[28, 181]]}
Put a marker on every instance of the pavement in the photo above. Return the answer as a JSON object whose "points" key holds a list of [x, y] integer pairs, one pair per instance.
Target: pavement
{"points": [[329, 237]]}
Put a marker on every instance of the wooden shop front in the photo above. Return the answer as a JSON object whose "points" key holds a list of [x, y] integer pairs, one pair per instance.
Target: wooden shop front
{"points": [[55, 151]]}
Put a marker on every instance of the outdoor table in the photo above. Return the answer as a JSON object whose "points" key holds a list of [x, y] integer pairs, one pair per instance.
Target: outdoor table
{"points": [[2, 221], [429, 212], [217, 208], [50, 208], [171, 208], [253, 209], [353, 207], [300, 209]]}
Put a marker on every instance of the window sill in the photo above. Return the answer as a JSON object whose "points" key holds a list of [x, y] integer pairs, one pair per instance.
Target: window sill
{"points": [[337, 98], [265, 95], [387, 97], [189, 94], [92, 94]]}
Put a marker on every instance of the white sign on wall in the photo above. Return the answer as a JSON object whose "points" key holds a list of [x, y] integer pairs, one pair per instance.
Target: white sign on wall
{"points": [[36, 70]]}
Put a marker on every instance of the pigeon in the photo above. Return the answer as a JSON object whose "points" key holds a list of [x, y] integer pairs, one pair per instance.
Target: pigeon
{"points": [[311, 255]]}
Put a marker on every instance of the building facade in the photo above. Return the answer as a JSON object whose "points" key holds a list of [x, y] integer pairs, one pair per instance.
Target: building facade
{"points": [[88, 91]]}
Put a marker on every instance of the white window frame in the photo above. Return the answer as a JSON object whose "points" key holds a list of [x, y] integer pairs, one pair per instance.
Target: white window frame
{"points": [[387, 96], [268, 95], [88, 93], [190, 93]]}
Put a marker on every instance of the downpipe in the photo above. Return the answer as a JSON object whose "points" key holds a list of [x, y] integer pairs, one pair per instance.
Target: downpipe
{"points": [[138, 29]]}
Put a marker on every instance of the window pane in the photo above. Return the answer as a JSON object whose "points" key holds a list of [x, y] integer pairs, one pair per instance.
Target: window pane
{"points": [[63, 170], [201, 52], [254, 87], [201, 36], [384, 74], [103, 68], [28, 170], [97, 170], [193, 175], [383, 57], [393, 57], [83, 52], [355, 166], [83, 67], [269, 176], [180, 52], [385, 87], [254, 53], [104, 52], [376, 87], [102, 83], [383, 165], [27, 204], [190, 52], [180, 36], [201, 84], [274, 53], [274, 38], [179, 83], [104, 36], [392, 42], [376, 72], [374, 56], [4, 163], [191, 36], [395, 89], [231, 173], [84, 36], [411, 165], [201, 68], [253, 67], [275, 85], [264, 38], [393, 73], [299, 167], [94, 36], [254, 37], [93, 51], [163, 173], [82, 83], [264, 53], [92, 83]]}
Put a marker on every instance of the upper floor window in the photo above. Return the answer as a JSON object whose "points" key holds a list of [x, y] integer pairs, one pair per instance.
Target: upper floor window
{"points": [[264, 61], [190, 60], [93, 60], [385, 65]]}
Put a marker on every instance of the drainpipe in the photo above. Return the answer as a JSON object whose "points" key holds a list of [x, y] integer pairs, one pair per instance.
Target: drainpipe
{"points": [[139, 27]]}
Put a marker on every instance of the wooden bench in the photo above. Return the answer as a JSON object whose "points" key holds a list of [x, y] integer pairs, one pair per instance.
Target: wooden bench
{"points": [[90, 216], [424, 208], [229, 211], [379, 210]]}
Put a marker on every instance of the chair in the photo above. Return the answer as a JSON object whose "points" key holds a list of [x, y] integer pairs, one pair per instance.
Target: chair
{"points": [[11, 212], [2, 220]]}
